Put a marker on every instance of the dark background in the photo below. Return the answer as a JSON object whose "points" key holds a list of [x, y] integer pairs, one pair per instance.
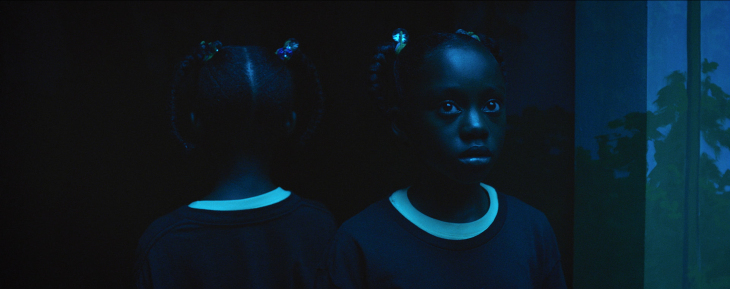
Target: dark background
{"points": [[89, 160]]}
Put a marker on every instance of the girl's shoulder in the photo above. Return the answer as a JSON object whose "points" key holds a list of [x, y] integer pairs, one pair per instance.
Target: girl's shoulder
{"points": [[522, 209], [315, 206], [311, 211], [374, 216], [523, 217]]}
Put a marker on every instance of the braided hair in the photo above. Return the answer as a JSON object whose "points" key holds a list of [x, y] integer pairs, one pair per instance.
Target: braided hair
{"points": [[389, 70], [223, 97]]}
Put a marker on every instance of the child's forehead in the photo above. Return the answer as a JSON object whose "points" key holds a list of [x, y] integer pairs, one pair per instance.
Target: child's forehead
{"points": [[461, 64]]}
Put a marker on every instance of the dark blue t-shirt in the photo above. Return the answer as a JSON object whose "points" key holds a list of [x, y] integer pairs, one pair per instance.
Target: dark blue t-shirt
{"points": [[277, 246], [379, 248]]}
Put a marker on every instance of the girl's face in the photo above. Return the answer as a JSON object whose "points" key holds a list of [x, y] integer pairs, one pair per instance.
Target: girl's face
{"points": [[454, 113]]}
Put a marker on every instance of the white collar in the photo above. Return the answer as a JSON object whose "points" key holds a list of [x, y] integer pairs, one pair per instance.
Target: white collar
{"points": [[441, 229], [263, 200]]}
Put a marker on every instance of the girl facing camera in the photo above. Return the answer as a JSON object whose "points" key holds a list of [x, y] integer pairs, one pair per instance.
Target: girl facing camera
{"points": [[444, 95]]}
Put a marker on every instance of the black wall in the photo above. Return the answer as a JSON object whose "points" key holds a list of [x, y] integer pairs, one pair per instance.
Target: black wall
{"points": [[88, 159]]}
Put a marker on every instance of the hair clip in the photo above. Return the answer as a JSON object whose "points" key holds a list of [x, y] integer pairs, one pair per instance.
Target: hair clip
{"points": [[472, 34], [205, 51], [400, 35], [286, 52]]}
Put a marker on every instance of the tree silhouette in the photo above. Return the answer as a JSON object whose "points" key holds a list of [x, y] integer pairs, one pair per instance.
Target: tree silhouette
{"points": [[665, 183], [619, 166]]}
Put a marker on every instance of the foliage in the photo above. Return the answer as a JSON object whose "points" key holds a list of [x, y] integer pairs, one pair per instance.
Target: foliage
{"points": [[665, 183], [666, 129]]}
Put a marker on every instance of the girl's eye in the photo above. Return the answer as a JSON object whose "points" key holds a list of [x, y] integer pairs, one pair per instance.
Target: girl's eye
{"points": [[448, 107], [492, 106]]}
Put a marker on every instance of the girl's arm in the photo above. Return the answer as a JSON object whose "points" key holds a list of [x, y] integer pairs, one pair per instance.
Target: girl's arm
{"points": [[555, 279], [344, 267]]}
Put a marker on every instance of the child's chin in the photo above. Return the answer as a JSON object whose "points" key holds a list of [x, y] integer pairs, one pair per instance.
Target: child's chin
{"points": [[470, 176], [458, 172]]}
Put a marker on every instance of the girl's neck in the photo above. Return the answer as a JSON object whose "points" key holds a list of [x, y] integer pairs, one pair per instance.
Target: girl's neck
{"points": [[247, 177], [443, 199]]}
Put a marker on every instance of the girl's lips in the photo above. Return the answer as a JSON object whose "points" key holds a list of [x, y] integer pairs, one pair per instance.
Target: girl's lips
{"points": [[476, 156], [476, 161], [476, 152]]}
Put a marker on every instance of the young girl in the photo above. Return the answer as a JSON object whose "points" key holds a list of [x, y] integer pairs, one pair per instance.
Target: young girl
{"points": [[240, 106], [445, 95]]}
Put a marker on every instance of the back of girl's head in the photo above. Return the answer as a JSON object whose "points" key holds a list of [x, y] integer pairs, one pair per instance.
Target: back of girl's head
{"points": [[241, 97], [391, 73]]}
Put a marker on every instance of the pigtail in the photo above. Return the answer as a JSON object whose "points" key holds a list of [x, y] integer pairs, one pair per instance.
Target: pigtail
{"points": [[183, 90], [382, 87], [309, 98]]}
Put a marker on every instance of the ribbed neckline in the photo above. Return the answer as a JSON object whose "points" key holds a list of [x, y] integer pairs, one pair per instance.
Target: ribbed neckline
{"points": [[455, 245], [241, 217], [441, 229], [263, 200]]}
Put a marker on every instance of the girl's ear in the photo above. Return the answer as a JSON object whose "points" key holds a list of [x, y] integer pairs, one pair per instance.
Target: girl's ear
{"points": [[398, 132], [291, 123], [396, 127], [195, 121], [195, 131]]}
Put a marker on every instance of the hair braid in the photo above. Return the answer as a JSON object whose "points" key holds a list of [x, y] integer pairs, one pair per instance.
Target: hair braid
{"points": [[182, 85], [309, 98], [382, 81]]}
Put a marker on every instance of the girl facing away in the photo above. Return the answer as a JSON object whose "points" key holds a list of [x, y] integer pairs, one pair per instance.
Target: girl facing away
{"points": [[444, 94], [240, 106]]}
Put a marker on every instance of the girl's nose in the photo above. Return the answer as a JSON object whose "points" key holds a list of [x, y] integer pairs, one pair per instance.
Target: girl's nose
{"points": [[474, 125]]}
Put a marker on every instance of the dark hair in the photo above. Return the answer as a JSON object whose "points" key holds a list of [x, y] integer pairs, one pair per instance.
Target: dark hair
{"points": [[389, 71], [242, 92]]}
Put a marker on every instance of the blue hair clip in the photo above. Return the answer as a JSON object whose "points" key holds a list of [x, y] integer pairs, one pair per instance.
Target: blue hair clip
{"points": [[286, 52], [205, 51], [400, 36]]}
